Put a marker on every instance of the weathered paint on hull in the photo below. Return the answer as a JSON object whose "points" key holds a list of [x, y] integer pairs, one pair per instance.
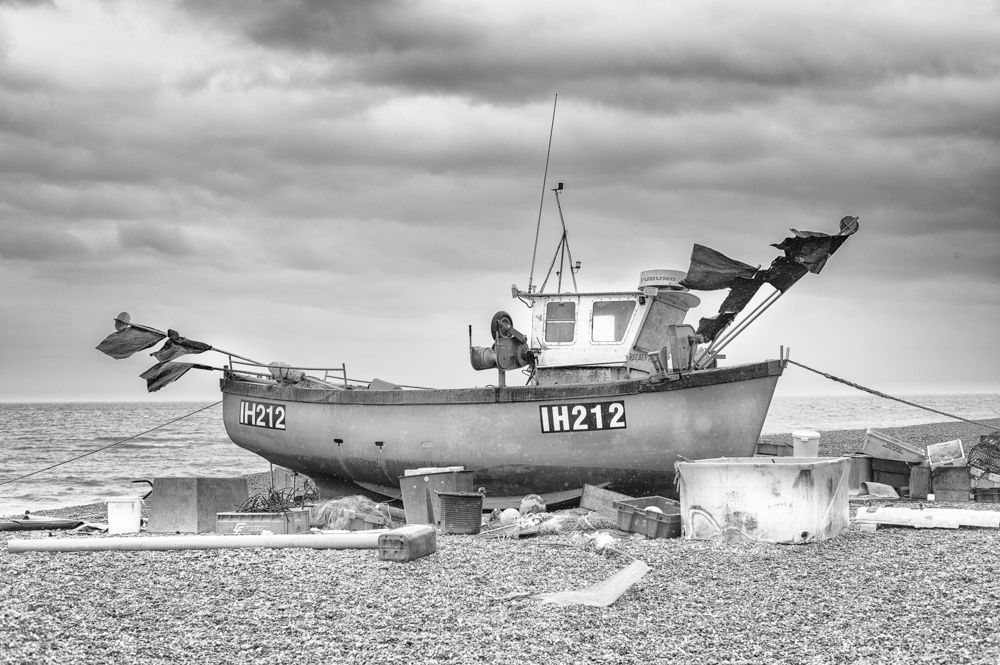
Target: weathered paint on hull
{"points": [[373, 436]]}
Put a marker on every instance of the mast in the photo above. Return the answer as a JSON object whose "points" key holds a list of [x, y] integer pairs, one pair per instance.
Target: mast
{"points": [[545, 176]]}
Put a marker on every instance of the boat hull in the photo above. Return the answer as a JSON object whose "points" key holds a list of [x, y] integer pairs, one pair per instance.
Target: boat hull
{"points": [[517, 440]]}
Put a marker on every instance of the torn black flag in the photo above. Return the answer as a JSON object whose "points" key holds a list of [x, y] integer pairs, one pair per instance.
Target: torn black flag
{"points": [[711, 270], [178, 346], [130, 339], [165, 373]]}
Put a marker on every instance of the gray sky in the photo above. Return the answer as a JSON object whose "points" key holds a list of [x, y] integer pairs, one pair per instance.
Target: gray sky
{"points": [[323, 182]]}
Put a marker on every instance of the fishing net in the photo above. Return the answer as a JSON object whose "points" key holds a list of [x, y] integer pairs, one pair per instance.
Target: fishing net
{"points": [[351, 513], [985, 455], [274, 500]]}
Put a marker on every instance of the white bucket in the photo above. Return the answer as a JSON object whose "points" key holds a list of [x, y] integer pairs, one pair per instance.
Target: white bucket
{"points": [[805, 443], [124, 515]]}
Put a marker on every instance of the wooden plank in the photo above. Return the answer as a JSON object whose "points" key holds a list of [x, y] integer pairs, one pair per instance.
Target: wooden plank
{"points": [[601, 500]]}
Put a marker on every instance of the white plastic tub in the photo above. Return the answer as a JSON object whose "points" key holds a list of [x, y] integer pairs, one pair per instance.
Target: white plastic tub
{"points": [[774, 500], [124, 515]]}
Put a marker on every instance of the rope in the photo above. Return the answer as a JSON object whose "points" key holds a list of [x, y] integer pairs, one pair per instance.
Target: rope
{"points": [[897, 399], [110, 445]]}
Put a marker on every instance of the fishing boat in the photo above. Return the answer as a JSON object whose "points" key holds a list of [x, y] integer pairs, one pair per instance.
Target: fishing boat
{"points": [[618, 388], [612, 400]]}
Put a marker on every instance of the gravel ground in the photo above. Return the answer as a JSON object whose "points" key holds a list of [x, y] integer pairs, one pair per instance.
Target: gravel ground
{"points": [[898, 595]]}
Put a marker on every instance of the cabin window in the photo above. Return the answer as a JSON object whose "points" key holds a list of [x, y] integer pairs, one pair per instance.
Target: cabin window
{"points": [[560, 322], [611, 319]]}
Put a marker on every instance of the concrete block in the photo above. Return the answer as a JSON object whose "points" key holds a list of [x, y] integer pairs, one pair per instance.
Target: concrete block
{"points": [[190, 505], [286, 480]]}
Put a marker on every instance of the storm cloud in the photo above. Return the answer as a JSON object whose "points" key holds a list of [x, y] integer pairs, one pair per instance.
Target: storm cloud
{"points": [[323, 182]]}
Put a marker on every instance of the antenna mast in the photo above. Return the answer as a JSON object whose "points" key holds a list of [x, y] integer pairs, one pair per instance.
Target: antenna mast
{"points": [[562, 251], [545, 177]]}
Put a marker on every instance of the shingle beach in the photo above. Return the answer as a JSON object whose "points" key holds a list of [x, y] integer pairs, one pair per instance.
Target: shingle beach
{"points": [[898, 595]]}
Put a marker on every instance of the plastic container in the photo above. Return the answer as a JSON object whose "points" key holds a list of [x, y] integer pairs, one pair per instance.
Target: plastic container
{"points": [[920, 481], [883, 446], [891, 472], [951, 483], [949, 453], [861, 471], [407, 543], [774, 450], [986, 495], [775, 500], [633, 516], [461, 512], [295, 520], [420, 500], [124, 515], [366, 523], [805, 443]]}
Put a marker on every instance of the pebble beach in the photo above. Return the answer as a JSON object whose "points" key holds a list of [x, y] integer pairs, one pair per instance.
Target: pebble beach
{"points": [[897, 595]]}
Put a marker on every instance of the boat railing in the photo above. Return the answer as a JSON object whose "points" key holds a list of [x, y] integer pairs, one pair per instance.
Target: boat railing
{"points": [[333, 377]]}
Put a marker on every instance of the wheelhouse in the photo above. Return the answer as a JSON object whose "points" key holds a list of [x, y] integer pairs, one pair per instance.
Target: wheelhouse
{"points": [[609, 336]]}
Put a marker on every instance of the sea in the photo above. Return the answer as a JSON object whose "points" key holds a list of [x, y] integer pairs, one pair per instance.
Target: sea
{"points": [[79, 453]]}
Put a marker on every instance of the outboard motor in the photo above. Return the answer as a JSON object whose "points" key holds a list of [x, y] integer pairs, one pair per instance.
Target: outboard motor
{"points": [[510, 347]]}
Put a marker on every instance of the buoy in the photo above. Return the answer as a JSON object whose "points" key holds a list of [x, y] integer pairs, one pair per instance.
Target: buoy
{"points": [[532, 504], [509, 516]]}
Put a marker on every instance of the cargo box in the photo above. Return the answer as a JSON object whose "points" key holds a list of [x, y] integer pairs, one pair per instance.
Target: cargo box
{"points": [[951, 483], [920, 481], [367, 523], [893, 473], [780, 500], [949, 453], [295, 520], [884, 446], [633, 516], [986, 495], [774, 449]]}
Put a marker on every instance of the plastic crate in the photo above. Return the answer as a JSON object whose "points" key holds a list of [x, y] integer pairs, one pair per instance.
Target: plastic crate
{"points": [[947, 454], [883, 446], [774, 450], [893, 473], [367, 523], [295, 520], [633, 517], [987, 495]]}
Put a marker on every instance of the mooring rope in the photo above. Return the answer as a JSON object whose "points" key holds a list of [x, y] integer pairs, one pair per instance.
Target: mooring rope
{"points": [[110, 445], [897, 399]]}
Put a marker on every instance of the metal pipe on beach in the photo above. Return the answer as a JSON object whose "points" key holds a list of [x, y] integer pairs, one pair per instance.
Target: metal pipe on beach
{"points": [[332, 541]]}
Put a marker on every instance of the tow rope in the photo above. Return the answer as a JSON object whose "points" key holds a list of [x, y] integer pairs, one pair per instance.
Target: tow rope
{"points": [[897, 399]]}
